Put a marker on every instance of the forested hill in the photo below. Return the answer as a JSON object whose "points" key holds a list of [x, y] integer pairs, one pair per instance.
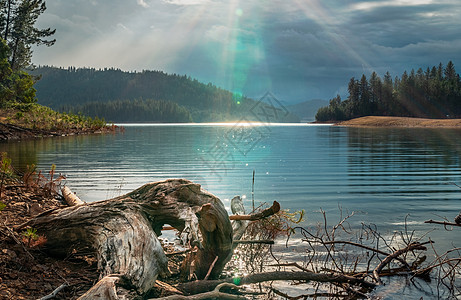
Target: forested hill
{"points": [[431, 93], [98, 92]]}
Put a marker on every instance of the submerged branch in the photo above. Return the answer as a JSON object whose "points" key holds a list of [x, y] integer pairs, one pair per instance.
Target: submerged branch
{"points": [[442, 223], [201, 286], [389, 258]]}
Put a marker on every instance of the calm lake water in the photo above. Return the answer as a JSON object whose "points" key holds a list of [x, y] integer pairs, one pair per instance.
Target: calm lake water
{"points": [[382, 174]]}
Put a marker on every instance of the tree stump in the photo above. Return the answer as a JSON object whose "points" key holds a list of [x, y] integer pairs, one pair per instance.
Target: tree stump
{"points": [[122, 232]]}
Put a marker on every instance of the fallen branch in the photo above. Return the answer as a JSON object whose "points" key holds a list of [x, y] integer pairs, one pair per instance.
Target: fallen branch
{"points": [[291, 265], [389, 258], [215, 294], [55, 292], [11, 233], [70, 198], [211, 268], [275, 208], [428, 269], [200, 286], [442, 223], [267, 242], [361, 246]]}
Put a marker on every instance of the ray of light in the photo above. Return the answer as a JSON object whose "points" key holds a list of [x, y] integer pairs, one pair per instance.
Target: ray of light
{"points": [[317, 11]]}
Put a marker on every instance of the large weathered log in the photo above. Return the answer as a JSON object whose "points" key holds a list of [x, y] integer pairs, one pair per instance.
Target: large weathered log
{"points": [[122, 232]]}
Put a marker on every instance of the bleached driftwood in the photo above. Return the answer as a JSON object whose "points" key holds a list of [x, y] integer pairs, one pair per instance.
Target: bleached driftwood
{"points": [[122, 233], [70, 198]]}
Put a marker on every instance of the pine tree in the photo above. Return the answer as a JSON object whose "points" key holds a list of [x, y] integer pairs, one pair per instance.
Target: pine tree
{"points": [[17, 25]]}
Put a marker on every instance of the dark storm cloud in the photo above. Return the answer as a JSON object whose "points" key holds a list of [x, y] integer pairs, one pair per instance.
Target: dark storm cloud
{"points": [[297, 49]]}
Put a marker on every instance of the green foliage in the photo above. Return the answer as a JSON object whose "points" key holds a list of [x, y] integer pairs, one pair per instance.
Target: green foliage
{"points": [[30, 233], [33, 115], [17, 28], [5, 167], [134, 111], [6, 170], [15, 86], [2, 206], [63, 89], [434, 93]]}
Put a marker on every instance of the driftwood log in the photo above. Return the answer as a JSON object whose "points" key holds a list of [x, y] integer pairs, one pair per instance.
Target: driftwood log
{"points": [[122, 234]]}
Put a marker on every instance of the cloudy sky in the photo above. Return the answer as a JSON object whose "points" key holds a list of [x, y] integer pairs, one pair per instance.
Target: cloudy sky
{"points": [[297, 49]]}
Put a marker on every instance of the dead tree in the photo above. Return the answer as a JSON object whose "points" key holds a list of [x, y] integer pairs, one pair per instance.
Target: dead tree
{"points": [[122, 233]]}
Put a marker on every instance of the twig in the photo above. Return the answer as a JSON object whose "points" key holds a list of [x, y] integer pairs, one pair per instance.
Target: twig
{"points": [[211, 268], [428, 269], [362, 246], [55, 292], [18, 242], [253, 191], [291, 265]]}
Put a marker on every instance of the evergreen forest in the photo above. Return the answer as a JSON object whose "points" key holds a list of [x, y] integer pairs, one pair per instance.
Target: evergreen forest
{"points": [[431, 93], [147, 96]]}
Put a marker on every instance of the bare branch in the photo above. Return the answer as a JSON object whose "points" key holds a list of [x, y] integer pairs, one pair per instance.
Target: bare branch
{"points": [[215, 294], [442, 223], [275, 208], [201, 286], [389, 258]]}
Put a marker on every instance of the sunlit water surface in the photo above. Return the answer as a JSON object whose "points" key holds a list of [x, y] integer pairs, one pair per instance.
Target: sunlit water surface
{"points": [[383, 175]]}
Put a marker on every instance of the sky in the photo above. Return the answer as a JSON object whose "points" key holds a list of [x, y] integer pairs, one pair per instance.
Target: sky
{"points": [[296, 49]]}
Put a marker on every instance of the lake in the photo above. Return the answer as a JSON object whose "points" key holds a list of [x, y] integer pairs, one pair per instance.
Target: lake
{"points": [[384, 175], [381, 173]]}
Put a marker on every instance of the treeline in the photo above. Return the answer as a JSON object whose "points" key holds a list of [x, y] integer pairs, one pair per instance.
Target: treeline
{"points": [[63, 88], [136, 111], [81, 88], [433, 93]]}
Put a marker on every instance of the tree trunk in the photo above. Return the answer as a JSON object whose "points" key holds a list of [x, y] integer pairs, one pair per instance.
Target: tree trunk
{"points": [[122, 232]]}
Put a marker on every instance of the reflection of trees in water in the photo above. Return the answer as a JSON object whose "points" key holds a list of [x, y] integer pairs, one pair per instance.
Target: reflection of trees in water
{"points": [[404, 157], [26, 152], [22, 153], [404, 147]]}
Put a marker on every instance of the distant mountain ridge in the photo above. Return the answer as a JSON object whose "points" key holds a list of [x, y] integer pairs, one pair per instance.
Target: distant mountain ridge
{"points": [[120, 92], [306, 110]]}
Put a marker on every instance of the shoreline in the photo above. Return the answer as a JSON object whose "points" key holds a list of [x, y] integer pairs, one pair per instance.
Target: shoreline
{"points": [[402, 122], [11, 132]]}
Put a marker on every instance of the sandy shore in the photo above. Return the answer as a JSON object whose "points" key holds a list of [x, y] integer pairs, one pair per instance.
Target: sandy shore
{"points": [[374, 121]]}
